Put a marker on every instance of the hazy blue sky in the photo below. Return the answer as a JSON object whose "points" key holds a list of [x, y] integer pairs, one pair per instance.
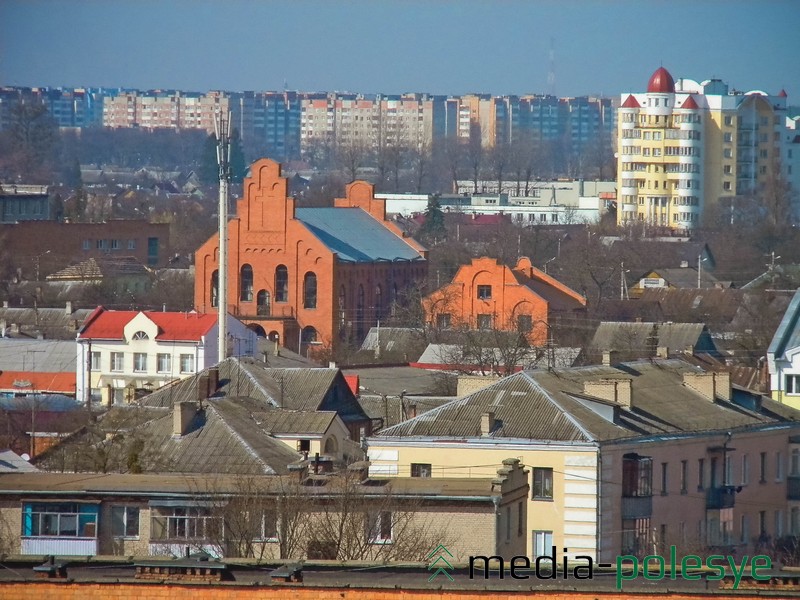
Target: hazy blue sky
{"points": [[499, 47]]}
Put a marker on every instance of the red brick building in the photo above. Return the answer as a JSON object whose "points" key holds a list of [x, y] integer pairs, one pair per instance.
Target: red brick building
{"points": [[488, 295], [308, 275]]}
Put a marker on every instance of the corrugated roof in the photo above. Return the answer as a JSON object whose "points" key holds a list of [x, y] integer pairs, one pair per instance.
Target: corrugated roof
{"points": [[98, 268], [276, 421], [37, 382], [54, 323], [38, 355], [354, 235], [552, 406], [636, 337]]}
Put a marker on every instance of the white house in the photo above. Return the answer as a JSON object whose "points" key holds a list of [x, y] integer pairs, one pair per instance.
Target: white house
{"points": [[783, 357], [120, 352]]}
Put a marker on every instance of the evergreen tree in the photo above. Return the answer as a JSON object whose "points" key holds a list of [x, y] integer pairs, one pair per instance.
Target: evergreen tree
{"points": [[433, 229]]}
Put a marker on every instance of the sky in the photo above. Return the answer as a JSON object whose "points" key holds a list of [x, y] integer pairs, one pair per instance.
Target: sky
{"points": [[391, 46]]}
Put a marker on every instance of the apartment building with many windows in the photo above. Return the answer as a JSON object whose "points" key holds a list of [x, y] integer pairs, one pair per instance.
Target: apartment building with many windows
{"points": [[684, 147]]}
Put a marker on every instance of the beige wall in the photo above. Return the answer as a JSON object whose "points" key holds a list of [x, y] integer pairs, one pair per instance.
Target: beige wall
{"points": [[571, 515]]}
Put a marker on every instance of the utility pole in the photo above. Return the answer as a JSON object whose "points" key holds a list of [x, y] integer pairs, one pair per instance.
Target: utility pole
{"points": [[222, 129]]}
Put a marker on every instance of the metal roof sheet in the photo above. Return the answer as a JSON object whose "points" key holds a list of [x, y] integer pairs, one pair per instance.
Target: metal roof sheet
{"points": [[355, 236]]}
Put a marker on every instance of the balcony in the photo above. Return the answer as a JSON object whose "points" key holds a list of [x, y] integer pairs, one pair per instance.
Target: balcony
{"points": [[793, 487], [637, 507], [720, 497]]}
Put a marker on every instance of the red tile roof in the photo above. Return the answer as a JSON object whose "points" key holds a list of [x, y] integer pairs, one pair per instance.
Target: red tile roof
{"points": [[26, 381], [173, 326]]}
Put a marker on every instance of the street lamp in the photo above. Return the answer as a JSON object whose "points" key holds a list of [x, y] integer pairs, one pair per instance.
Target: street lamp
{"points": [[700, 261]]}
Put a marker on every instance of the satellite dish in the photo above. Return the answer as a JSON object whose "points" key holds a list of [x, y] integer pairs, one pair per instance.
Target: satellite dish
{"points": [[26, 457]]}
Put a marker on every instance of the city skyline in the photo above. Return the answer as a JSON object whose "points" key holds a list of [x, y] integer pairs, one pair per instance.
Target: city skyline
{"points": [[378, 47]]}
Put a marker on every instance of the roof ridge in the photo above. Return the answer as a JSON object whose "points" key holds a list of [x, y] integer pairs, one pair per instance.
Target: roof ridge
{"points": [[267, 468], [590, 437]]}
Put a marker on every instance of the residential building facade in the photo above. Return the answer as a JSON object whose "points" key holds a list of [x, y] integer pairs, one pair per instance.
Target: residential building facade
{"points": [[309, 276], [783, 357], [624, 459], [120, 352], [684, 147]]}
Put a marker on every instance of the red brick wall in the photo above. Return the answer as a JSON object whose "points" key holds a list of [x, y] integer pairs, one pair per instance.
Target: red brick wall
{"points": [[265, 234], [143, 591]]}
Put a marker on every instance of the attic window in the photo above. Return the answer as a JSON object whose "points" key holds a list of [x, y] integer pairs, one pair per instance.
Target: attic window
{"points": [[140, 335]]}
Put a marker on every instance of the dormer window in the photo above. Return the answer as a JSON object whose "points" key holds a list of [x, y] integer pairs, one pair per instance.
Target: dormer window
{"points": [[140, 335]]}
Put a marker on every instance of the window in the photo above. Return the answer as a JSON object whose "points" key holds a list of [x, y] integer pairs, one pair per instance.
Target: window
{"points": [[542, 543], [95, 361], [420, 470], [793, 384], [684, 474], [778, 523], [117, 361], [701, 474], [87, 244], [163, 363], [779, 466], [310, 290], [139, 362], [131, 244], [745, 470], [379, 527], [443, 321], [59, 519], [794, 462], [281, 284], [484, 321], [484, 292], [246, 284], [726, 186], [727, 169], [125, 521], [663, 479], [762, 468], [182, 523], [637, 476], [187, 363], [542, 483], [524, 323], [115, 244], [728, 121], [520, 517], [140, 335], [215, 288], [727, 137], [794, 521], [727, 153]]}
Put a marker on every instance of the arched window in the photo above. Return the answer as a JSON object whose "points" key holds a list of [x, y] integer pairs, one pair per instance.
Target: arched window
{"points": [[262, 303], [141, 335], [360, 324], [246, 283], [309, 335], [215, 288], [310, 290], [281, 284]]}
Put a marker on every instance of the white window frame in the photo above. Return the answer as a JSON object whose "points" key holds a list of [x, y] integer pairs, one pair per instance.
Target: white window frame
{"points": [[187, 363], [117, 362], [140, 362], [125, 514], [167, 358]]}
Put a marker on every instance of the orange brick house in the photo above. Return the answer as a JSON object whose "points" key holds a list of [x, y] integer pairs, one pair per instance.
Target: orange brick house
{"points": [[308, 275], [488, 295]]}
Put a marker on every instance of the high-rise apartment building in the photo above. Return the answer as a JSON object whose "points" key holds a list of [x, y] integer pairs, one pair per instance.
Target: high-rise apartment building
{"points": [[685, 146], [166, 109]]}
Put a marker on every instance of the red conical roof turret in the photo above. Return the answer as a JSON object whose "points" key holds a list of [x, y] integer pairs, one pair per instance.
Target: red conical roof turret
{"points": [[690, 103], [783, 94], [631, 102], [661, 82]]}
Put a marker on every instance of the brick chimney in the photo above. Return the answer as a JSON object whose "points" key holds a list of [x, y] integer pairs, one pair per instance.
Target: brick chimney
{"points": [[487, 423], [609, 357], [182, 415], [613, 390], [662, 352], [359, 469], [709, 385], [68, 308]]}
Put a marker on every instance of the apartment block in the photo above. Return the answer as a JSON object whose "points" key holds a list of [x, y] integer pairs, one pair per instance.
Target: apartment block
{"points": [[685, 146]]}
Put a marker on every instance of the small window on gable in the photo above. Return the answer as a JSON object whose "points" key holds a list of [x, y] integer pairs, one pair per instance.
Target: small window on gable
{"points": [[140, 335]]}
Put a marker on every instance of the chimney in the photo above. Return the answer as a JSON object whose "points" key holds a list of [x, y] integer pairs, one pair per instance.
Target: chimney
{"points": [[412, 410], [5, 303], [609, 357], [684, 264], [202, 387], [300, 468], [689, 350], [182, 415], [662, 352], [68, 308], [619, 391], [360, 469], [709, 385], [487, 423], [213, 380]]}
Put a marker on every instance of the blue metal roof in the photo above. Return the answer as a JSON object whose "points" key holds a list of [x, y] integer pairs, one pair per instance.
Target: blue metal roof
{"points": [[354, 235], [787, 335]]}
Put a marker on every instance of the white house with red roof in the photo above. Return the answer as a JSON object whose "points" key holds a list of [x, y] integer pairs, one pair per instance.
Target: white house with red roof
{"points": [[122, 352]]}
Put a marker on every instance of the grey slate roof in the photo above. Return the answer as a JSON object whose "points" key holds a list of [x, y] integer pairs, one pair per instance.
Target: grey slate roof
{"points": [[276, 421], [38, 356], [355, 236], [394, 380], [54, 323], [444, 354], [552, 406], [633, 337]]}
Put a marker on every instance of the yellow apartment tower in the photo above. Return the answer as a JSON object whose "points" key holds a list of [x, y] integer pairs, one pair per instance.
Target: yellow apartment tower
{"points": [[683, 147]]}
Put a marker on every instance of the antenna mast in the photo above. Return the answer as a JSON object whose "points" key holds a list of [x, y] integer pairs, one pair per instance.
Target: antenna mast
{"points": [[222, 130]]}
